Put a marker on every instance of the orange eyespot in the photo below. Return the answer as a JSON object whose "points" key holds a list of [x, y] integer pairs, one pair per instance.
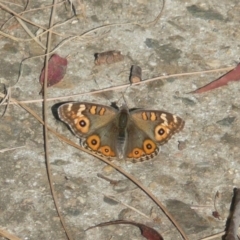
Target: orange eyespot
{"points": [[93, 142], [161, 132], [149, 146], [106, 151], [82, 124], [136, 153]]}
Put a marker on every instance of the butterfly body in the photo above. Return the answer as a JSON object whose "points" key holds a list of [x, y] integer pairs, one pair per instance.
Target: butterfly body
{"points": [[134, 135]]}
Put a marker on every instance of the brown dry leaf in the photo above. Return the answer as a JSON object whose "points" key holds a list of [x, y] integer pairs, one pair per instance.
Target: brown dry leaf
{"points": [[233, 75], [147, 232], [108, 57], [57, 67]]}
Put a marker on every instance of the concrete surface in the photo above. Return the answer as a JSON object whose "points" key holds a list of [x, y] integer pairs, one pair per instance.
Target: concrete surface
{"points": [[191, 35]]}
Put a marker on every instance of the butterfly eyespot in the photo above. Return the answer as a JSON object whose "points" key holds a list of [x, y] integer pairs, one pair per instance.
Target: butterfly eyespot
{"points": [[136, 153], [82, 124], [106, 151], [93, 142], [161, 132], [149, 146]]}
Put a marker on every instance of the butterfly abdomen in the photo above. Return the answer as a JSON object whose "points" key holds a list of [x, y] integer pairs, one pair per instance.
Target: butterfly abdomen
{"points": [[122, 132]]}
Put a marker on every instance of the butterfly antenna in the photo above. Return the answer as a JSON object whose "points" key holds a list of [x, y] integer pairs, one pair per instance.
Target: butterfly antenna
{"points": [[124, 99]]}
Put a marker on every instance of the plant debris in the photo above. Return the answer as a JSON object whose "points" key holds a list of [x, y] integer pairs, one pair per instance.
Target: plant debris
{"points": [[136, 74], [57, 67], [147, 232], [233, 75], [108, 57]]}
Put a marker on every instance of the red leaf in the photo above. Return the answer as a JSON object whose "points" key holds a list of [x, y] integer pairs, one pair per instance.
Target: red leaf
{"points": [[233, 75], [147, 232], [57, 67]]}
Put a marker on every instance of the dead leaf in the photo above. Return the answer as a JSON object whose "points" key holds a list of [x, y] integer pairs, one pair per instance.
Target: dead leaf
{"points": [[57, 67], [233, 75], [147, 232], [108, 57]]}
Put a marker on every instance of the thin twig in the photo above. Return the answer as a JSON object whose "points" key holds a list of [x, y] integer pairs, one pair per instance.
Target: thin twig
{"points": [[29, 32], [9, 149], [128, 206], [8, 235], [46, 144], [156, 19], [5, 100], [232, 228], [123, 86], [22, 18]]}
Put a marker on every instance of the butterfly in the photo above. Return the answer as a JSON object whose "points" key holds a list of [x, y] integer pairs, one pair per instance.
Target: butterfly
{"points": [[123, 133]]}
